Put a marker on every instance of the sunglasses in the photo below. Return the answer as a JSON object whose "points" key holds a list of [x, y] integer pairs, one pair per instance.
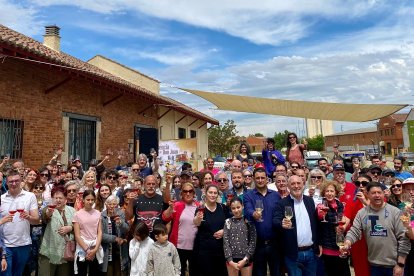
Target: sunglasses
{"points": [[74, 170], [292, 137], [135, 170], [295, 167], [396, 186], [316, 177], [363, 183], [39, 188], [44, 174], [71, 191], [187, 191], [376, 172], [247, 175], [222, 180]]}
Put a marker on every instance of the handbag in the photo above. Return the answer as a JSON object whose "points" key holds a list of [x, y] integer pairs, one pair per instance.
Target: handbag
{"points": [[70, 246]]}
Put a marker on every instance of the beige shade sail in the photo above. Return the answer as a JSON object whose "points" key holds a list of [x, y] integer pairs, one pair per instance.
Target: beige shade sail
{"points": [[301, 109]]}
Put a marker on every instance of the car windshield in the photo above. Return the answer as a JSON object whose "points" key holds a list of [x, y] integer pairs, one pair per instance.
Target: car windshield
{"points": [[219, 159]]}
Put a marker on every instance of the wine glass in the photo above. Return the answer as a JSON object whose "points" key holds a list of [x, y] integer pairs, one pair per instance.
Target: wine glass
{"points": [[340, 242], [12, 210], [259, 209], [325, 208], [51, 205], [289, 214], [202, 207]]}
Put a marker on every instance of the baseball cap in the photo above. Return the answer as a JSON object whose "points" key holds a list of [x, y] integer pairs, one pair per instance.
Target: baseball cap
{"points": [[187, 173], [338, 167], [409, 180], [375, 167], [388, 171]]}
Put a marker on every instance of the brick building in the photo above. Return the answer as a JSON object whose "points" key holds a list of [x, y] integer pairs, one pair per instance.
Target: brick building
{"points": [[356, 139], [49, 98], [390, 133]]}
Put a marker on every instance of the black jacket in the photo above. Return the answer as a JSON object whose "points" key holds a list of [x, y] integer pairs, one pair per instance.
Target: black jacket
{"points": [[288, 237], [327, 230]]}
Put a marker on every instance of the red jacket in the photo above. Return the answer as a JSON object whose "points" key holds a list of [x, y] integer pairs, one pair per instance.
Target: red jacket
{"points": [[175, 218]]}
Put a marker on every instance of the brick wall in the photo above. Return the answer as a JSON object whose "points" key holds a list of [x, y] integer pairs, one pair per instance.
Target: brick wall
{"points": [[22, 96]]}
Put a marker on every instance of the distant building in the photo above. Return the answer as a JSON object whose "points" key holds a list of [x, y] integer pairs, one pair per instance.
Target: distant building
{"points": [[316, 127], [355, 139], [391, 133], [408, 131], [257, 144]]}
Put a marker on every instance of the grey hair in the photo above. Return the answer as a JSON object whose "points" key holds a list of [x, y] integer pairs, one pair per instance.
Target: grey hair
{"points": [[143, 156], [112, 198], [70, 183]]}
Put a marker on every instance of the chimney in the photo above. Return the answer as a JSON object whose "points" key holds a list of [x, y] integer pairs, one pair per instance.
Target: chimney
{"points": [[51, 37]]}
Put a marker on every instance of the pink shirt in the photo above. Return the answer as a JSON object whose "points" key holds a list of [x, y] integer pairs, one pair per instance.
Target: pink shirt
{"points": [[187, 229], [88, 223]]}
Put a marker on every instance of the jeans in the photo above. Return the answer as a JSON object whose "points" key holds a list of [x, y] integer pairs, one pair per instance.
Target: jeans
{"points": [[265, 254], [16, 258], [381, 270], [305, 264]]}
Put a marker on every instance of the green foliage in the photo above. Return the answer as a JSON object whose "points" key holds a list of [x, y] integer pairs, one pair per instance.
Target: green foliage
{"points": [[222, 138], [280, 139], [316, 143], [258, 135]]}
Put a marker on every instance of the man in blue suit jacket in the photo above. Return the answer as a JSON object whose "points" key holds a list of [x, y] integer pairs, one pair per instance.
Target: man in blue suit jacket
{"points": [[299, 245]]}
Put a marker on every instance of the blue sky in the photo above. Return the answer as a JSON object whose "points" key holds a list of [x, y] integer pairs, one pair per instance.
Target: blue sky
{"points": [[351, 51]]}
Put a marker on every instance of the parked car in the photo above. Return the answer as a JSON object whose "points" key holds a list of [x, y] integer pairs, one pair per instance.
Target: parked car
{"points": [[312, 162], [371, 153], [219, 162], [407, 156]]}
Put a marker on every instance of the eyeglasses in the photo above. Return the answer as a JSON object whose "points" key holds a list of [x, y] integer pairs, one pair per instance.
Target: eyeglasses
{"points": [[44, 174], [71, 191], [295, 167], [125, 177], [316, 177], [247, 175], [74, 170], [396, 186], [135, 170], [187, 191], [375, 172], [363, 183], [222, 180], [292, 137], [388, 175], [112, 177], [39, 188]]}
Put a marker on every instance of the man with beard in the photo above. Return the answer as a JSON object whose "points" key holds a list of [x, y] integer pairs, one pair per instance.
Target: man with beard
{"points": [[238, 184], [323, 165], [375, 172], [348, 189], [340, 161], [398, 167], [147, 207]]}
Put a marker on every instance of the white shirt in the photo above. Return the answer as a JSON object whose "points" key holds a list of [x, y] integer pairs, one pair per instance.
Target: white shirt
{"points": [[272, 186], [17, 232], [303, 226]]}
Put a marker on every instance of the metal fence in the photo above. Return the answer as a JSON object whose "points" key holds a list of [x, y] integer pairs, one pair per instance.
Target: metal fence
{"points": [[11, 138]]}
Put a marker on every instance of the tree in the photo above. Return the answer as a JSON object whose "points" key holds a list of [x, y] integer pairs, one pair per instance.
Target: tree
{"points": [[258, 135], [222, 138], [316, 143], [280, 139]]}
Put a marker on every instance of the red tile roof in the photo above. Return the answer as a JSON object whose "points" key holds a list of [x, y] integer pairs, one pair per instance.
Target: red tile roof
{"points": [[13, 40], [399, 117]]}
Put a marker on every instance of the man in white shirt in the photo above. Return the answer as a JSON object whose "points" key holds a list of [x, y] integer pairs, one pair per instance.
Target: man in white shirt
{"points": [[17, 230]]}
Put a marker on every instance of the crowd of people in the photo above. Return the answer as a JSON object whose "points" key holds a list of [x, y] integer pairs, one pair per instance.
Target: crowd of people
{"points": [[254, 217]]}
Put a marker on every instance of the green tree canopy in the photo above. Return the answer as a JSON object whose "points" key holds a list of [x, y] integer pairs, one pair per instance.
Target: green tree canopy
{"points": [[316, 143], [280, 139], [222, 138]]}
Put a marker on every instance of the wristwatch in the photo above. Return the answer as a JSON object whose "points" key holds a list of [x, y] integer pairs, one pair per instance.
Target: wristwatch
{"points": [[401, 265]]}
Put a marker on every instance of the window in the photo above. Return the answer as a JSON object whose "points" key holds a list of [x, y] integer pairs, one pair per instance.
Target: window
{"points": [[182, 133], [392, 131], [193, 133], [381, 132], [11, 138]]}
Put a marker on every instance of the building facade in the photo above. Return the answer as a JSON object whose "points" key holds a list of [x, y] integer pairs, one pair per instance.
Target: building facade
{"points": [[50, 99], [356, 139], [390, 133]]}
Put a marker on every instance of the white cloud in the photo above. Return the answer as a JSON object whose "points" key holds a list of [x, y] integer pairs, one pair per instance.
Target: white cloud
{"points": [[20, 17], [264, 23]]}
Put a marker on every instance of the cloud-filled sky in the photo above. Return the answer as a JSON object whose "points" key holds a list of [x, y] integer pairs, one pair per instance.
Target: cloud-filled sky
{"points": [[352, 51]]}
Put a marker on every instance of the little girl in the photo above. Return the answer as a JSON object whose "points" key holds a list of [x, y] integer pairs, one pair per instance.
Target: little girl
{"points": [[239, 241], [138, 249]]}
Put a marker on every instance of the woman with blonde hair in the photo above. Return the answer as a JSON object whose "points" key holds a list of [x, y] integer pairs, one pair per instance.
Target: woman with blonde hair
{"points": [[88, 181], [313, 185]]}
